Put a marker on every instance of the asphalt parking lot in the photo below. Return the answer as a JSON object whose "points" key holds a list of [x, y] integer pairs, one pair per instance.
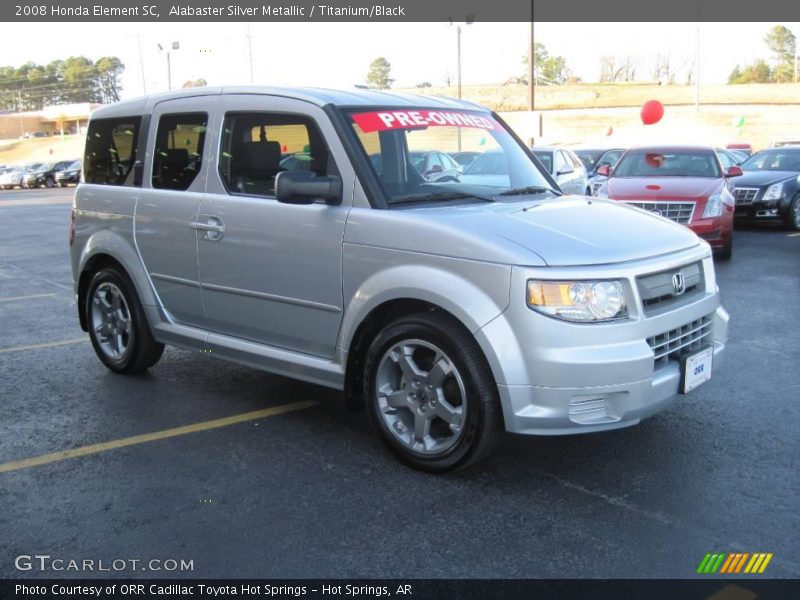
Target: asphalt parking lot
{"points": [[312, 492]]}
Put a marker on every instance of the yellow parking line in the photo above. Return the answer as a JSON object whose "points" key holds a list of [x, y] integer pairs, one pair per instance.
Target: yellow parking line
{"points": [[45, 345], [31, 297], [44, 459]]}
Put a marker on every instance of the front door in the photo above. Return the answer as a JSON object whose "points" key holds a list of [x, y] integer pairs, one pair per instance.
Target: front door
{"points": [[272, 272]]}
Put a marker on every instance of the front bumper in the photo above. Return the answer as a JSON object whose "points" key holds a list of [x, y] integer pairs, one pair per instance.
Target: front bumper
{"points": [[563, 411], [558, 378], [760, 211]]}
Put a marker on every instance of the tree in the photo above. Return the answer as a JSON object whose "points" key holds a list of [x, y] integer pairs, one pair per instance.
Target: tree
{"points": [[109, 70], [378, 74], [547, 69], [195, 84], [617, 68], [783, 45], [756, 72]]}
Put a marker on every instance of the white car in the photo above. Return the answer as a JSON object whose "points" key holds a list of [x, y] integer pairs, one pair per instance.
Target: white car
{"points": [[565, 167], [12, 177]]}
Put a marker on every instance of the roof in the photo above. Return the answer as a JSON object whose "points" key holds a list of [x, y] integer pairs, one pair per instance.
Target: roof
{"points": [[318, 96], [671, 148]]}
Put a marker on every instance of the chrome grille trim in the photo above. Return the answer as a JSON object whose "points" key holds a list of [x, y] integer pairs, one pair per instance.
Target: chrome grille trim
{"points": [[745, 195], [680, 212], [670, 344]]}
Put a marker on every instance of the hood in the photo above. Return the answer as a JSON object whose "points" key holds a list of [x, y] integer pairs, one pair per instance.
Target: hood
{"points": [[570, 230], [763, 178], [662, 188]]}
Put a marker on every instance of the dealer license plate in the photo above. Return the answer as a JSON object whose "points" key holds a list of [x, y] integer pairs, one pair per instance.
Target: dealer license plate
{"points": [[696, 369]]}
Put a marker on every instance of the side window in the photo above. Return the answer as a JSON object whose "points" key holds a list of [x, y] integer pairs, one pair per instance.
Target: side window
{"points": [[576, 163], [179, 150], [258, 146], [561, 162], [111, 150], [434, 161], [724, 159]]}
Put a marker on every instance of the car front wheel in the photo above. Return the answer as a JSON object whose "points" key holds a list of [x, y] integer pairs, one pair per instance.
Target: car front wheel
{"points": [[431, 394], [117, 325], [792, 218]]}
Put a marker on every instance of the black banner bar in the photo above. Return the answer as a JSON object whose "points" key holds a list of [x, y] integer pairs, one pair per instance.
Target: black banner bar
{"points": [[400, 10], [430, 589]]}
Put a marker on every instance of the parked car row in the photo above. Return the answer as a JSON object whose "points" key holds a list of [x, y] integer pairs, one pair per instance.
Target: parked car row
{"points": [[34, 175]]}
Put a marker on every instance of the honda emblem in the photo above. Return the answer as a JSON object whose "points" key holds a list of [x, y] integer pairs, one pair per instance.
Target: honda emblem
{"points": [[678, 283]]}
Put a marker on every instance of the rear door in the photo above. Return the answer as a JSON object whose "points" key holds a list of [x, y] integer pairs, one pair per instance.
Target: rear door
{"points": [[166, 213]]}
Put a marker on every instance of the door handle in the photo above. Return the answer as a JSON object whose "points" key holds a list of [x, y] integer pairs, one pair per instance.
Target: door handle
{"points": [[213, 228]]}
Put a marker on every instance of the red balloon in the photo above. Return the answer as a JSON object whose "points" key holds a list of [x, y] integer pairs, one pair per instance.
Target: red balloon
{"points": [[610, 131], [652, 111]]}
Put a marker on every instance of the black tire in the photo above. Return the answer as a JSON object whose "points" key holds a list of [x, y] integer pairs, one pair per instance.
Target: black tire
{"points": [[726, 252], [142, 351], [588, 191], [62, 185], [482, 429], [792, 218], [49, 182]]}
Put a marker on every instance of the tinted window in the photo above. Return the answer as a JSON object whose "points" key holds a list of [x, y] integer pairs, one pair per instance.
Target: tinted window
{"points": [[546, 158], [111, 150], [774, 160], [682, 163], [179, 150], [258, 146]]}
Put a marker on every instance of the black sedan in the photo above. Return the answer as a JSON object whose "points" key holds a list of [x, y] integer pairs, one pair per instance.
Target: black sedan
{"points": [[45, 174], [69, 174], [770, 187]]}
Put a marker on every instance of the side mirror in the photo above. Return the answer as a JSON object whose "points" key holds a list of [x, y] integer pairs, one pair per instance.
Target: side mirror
{"points": [[604, 170], [734, 171], [305, 187]]}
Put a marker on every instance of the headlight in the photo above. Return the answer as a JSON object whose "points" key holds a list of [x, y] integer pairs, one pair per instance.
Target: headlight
{"points": [[713, 206], [774, 192], [578, 301]]}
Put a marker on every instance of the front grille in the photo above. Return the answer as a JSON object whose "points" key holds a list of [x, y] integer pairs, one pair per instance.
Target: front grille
{"points": [[658, 293], [671, 344], [680, 212], [745, 195]]}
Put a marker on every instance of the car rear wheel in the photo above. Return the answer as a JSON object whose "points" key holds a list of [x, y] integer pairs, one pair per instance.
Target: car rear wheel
{"points": [[117, 326], [430, 393], [792, 219]]}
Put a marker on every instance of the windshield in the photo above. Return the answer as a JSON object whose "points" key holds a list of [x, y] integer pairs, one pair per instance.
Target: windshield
{"points": [[774, 160], [610, 157], [412, 153], [589, 158], [37, 167], [682, 163], [74, 166], [546, 158]]}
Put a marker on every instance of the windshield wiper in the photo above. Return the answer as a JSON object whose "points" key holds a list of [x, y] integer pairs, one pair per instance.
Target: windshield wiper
{"points": [[531, 189], [437, 196]]}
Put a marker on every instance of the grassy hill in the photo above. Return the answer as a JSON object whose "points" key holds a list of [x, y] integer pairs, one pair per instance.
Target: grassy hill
{"points": [[515, 96], [48, 149]]}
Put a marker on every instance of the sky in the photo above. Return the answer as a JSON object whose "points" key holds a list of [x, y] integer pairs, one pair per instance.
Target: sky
{"points": [[338, 55]]}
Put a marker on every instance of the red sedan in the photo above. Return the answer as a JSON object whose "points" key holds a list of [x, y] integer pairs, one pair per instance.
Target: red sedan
{"points": [[685, 184]]}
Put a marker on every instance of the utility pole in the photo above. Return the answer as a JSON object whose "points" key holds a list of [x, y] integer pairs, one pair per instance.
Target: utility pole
{"points": [[531, 83], [697, 71], [250, 52], [458, 59], [21, 118], [141, 63]]}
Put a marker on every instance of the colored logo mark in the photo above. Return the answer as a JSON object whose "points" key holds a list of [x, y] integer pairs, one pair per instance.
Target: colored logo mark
{"points": [[735, 562]]}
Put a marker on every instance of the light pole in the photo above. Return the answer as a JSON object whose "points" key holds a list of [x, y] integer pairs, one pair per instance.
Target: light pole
{"points": [[697, 71], [175, 46]]}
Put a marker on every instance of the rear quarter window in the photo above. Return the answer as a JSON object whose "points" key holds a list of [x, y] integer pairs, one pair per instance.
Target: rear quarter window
{"points": [[111, 150]]}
